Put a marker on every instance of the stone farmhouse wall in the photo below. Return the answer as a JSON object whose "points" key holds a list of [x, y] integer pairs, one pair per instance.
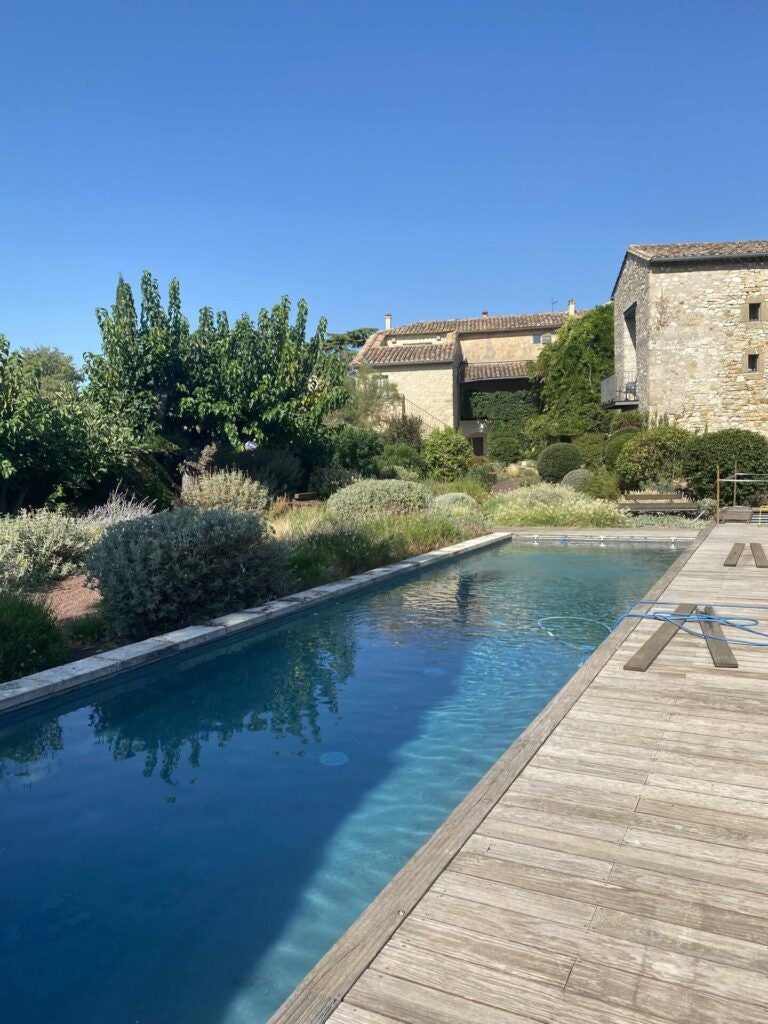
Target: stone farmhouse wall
{"points": [[488, 348], [432, 388], [693, 341]]}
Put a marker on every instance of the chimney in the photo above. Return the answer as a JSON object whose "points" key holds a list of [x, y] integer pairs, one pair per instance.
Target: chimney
{"points": [[387, 321], [571, 307], [484, 313]]}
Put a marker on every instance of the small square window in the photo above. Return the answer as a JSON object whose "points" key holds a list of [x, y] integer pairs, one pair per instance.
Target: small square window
{"points": [[754, 311], [753, 362], [537, 339]]}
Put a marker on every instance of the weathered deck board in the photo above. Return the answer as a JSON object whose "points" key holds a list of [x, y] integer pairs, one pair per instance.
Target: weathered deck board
{"points": [[611, 869]]}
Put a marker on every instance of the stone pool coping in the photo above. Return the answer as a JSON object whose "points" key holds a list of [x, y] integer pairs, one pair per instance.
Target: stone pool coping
{"points": [[31, 689]]}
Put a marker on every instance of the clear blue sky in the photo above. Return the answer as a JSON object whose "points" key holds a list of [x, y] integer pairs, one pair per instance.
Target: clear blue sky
{"points": [[430, 158]]}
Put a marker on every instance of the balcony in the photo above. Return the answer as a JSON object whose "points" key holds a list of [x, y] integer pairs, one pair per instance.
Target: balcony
{"points": [[619, 390]]}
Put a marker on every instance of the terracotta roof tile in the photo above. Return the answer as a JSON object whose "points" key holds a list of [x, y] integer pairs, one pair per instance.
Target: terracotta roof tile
{"points": [[400, 355], [507, 370], [473, 325]]}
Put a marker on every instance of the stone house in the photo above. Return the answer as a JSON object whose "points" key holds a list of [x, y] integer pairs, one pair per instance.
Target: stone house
{"points": [[691, 333], [433, 363]]}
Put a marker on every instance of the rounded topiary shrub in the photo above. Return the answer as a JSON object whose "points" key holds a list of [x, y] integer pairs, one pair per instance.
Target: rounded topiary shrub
{"points": [[615, 445], [454, 500], [380, 497], [651, 456], [577, 479], [743, 450], [447, 454], [30, 640], [229, 489], [505, 441], [557, 460], [181, 567]]}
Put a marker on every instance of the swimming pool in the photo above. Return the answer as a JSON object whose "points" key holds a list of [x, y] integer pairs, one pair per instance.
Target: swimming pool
{"points": [[184, 844]]}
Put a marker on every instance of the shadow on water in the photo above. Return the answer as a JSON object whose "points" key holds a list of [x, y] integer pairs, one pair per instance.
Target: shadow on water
{"points": [[156, 840]]}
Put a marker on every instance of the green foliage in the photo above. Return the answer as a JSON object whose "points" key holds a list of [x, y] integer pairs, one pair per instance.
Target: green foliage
{"points": [[506, 441], [570, 371], [344, 345], [557, 460], [29, 638], [36, 547], [447, 454], [227, 489], [326, 480], [371, 399], [509, 406], [615, 445], [592, 448], [404, 430], [399, 455], [602, 484], [628, 419], [354, 448], [743, 450], [655, 454], [181, 567], [58, 440], [54, 369], [466, 484], [379, 497], [278, 469], [486, 474], [577, 479], [330, 549], [552, 505]]}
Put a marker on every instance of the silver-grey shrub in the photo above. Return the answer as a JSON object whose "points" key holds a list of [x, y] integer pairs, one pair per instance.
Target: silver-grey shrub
{"points": [[181, 567], [380, 497], [454, 500], [225, 488], [36, 547], [577, 479], [118, 507]]}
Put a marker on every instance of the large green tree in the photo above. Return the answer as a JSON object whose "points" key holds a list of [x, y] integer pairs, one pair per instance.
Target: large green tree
{"points": [[570, 371], [55, 368]]}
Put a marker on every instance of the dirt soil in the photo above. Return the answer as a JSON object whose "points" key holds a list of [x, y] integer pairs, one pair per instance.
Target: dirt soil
{"points": [[70, 599]]}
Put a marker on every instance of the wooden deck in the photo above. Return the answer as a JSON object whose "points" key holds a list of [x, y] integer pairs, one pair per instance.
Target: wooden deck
{"points": [[612, 868]]}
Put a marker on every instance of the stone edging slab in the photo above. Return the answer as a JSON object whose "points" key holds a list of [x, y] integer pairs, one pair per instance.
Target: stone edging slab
{"points": [[51, 682]]}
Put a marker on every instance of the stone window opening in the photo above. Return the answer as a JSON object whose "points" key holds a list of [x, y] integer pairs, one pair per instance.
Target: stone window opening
{"points": [[630, 322], [752, 362], [478, 444], [753, 311]]}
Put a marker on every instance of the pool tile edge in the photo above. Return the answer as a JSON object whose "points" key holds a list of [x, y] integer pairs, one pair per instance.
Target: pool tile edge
{"points": [[32, 689]]}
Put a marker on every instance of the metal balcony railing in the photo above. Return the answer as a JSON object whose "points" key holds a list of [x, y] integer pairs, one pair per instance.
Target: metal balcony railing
{"points": [[619, 389]]}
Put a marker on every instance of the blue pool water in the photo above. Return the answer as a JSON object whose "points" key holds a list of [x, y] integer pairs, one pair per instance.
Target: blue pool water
{"points": [[185, 844]]}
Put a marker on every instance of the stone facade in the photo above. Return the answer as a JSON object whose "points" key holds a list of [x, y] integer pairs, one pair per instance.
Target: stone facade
{"points": [[433, 389], [699, 359], [489, 348]]}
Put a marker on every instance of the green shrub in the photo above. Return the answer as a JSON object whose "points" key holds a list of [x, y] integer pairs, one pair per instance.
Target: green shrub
{"points": [[629, 419], [486, 474], [552, 505], [577, 479], [353, 448], [36, 547], [228, 489], [181, 567], [655, 454], [557, 460], [379, 497], [326, 480], [466, 484], [592, 448], [506, 441], [29, 638], [601, 484], [406, 430], [454, 499], [615, 445], [447, 454], [279, 470], [744, 450], [400, 454]]}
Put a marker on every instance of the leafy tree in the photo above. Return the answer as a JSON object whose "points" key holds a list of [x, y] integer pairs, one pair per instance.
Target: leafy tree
{"points": [[447, 454], [372, 399], [570, 371], [557, 460], [344, 345], [54, 368]]}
